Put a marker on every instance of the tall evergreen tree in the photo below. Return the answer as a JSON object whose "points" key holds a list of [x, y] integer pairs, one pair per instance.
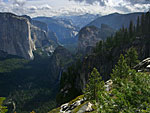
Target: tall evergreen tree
{"points": [[143, 24], [121, 69], [93, 85], [131, 29], [138, 25], [132, 57]]}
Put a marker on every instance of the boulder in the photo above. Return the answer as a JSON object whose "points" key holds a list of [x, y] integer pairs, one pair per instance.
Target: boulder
{"points": [[143, 66], [67, 108], [108, 85], [89, 107]]}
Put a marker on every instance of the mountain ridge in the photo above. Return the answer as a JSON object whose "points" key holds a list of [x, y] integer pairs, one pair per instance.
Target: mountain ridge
{"points": [[116, 20]]}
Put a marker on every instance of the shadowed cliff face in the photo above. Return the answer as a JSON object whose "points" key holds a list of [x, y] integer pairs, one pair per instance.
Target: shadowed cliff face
{"points": [[20, 36]]}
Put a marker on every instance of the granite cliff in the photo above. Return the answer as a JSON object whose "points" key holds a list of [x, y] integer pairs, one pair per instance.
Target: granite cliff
{"points": [[15, 36], [90, 35], [20, 36]]}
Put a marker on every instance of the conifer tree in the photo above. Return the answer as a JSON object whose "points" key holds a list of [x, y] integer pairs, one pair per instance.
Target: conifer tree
{"points": [[93, 85], [132, 57], [121, 69], [142, 24], [138, 25], [131, 29]]}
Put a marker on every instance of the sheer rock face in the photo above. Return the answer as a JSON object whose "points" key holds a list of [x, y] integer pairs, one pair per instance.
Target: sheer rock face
{"points": [[15, 36], [20, 36], [89, 36]]}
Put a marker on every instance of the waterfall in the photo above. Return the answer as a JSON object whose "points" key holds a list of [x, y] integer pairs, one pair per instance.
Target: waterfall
{"points": [[60, 73]]}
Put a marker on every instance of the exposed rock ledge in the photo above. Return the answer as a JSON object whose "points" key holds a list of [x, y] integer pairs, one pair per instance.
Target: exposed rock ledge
{"points": [[143, 66]]}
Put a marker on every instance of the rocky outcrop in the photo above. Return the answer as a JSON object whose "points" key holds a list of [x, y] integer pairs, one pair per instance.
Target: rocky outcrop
{"points": [[143, 66], [20, 35], [89, 36], [67, 108], [78, 105]]}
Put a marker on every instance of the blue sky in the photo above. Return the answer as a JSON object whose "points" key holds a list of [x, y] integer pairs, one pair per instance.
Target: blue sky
{"points": [[72, 7]]}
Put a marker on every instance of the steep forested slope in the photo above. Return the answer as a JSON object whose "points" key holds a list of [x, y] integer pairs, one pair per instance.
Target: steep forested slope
{"points": [[106, 54]]}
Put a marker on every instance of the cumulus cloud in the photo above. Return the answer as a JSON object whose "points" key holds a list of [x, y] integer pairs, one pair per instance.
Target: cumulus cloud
{"points": [[124, 6], [19, 2], [32, 8], [45, 7], [69, 7], [139, 1], [101, 2]]}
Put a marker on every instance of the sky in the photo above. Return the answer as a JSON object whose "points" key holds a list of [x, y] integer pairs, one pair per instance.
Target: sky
{"points": [[49, 8]]}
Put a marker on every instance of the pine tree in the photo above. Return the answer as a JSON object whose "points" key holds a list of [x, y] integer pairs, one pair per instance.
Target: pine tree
{"points": [[121, 69], [93, 85], [138, 25], [131, 29], [132, 57], [143, 24]]}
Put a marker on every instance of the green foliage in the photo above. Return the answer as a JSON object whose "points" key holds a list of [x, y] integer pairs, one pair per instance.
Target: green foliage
{"points": [[71, 93], [107, 53], [9, 65], [125, 36], [27, 84], [94, 85], [129, 93], [3, 109], [67, 79], [131, 29], [132, 57], [121, 69]]}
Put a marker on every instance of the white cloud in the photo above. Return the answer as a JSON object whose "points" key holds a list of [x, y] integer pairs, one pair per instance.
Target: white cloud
{"points": [[68, 7]]}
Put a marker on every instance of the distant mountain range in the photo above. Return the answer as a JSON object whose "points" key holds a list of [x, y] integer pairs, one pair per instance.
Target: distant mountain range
{"points": [[64, 29], [79, 20], [116, 20]]}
